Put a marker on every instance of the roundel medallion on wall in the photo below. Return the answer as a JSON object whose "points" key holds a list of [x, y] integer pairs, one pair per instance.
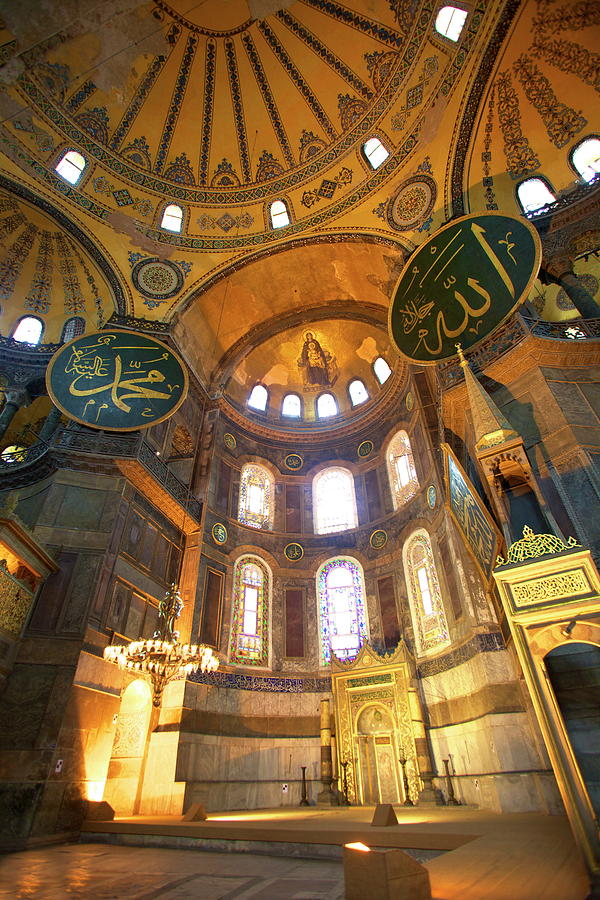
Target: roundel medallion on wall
{"points": [[431, 496], [219, 533], [229, 441], [157, 278], [410, 401], [412, 203], [293, 551], [378, 539], [364, 449], [293, 461]]}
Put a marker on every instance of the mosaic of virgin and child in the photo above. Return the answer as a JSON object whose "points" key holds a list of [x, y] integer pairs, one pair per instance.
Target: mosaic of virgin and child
{"points": [[318, 366]]}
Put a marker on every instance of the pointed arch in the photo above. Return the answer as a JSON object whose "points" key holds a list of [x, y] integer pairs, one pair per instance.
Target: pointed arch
{"points": [[404, 483], [256, 497], [343, 625], [334, 501], [424, 593], [251, 612]]}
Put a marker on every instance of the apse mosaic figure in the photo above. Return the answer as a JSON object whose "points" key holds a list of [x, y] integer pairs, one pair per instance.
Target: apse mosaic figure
{"points": [[465, 281], [117, 380], [318, 366]]}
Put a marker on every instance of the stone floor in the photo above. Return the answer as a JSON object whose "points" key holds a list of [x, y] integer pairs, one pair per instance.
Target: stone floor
{"points": [[100, 872]]}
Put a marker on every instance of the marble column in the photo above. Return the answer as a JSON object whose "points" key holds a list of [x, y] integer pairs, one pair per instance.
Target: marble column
{"points": [[326, 796], [579, 296], [50, 425], [15, 399]]}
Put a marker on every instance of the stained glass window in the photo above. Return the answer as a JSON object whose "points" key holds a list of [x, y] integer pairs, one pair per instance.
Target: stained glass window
{"points": [[334, 502], [381, 369], [291, 406], [29, 330], [71, 166], [342, 617], [72, 328], [401, 469], [375, 152], [172, 218], [280, 216], [358, 392], [586, 158], [534, 194], [425, 597], [250, 621], [450, 22], [256, 491], [258, 398]]}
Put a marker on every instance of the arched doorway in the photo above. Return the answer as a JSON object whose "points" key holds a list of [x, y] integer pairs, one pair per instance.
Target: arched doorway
{"points": [[574, 672], [377, 755], [129, 746]]}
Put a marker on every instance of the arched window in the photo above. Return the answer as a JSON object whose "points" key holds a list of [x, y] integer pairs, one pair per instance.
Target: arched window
{"points": [[172, 218], [342, 615], [14, 453], [381, 369], [585, 158], [258, 398], [326, 406], [534, 194], [72, 328], [358, 392], [401, 469], [291, 406], [375, 152], [70, 166], [249, 642], [29, 330], [279, 214], [450, 22], [334, 503], [425, 597], [256, 497]]}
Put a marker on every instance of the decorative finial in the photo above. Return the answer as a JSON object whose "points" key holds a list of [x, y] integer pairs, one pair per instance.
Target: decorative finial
{"points": [[461, 357]]}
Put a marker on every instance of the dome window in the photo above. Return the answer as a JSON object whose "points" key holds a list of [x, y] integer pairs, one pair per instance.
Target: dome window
{"points": [[14, 453], [72, 328], [70, 166], [534, 194], [585, 158], [279, 214], [291, 406], [29, 330], [358, 392], [381, 369], [172, 219], [258, 398], [450, 22], [326, 406], [375, 152]]}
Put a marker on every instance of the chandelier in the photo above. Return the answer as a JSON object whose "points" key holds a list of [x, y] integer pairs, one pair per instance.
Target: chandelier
{"points": [[162, 657]]}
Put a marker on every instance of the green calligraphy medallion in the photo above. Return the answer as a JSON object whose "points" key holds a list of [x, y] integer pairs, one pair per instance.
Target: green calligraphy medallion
{"points": [[117, 380], [460, 285]]}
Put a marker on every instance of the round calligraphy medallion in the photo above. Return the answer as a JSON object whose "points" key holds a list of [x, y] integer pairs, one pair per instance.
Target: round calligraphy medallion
{"points": [[219, 533], [378, 539], [229, 441], [117, 380], [431, 496], [293, 551], [410, 401], [293, 461], [412, 203], [364, 449], [157, 278], [461, 284]]}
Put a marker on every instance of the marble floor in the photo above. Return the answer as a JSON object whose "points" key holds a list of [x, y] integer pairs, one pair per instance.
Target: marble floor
{"points": [[100, 872]]}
